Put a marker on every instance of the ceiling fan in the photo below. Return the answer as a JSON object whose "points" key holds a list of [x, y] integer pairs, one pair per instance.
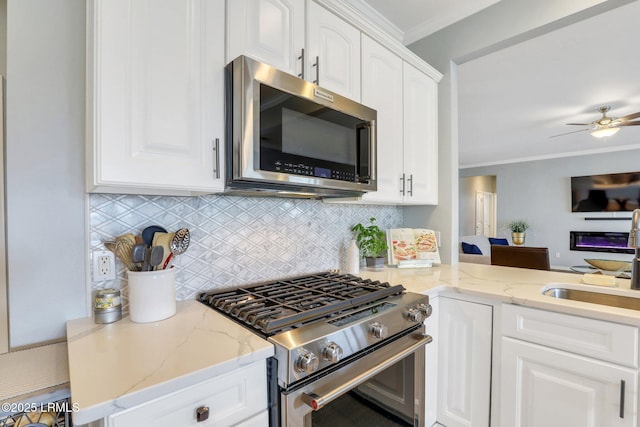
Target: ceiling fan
{"points": [[605, 126]]}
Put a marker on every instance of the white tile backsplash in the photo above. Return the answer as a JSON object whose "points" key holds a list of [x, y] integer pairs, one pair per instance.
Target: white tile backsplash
{"points": [[236, 240]]}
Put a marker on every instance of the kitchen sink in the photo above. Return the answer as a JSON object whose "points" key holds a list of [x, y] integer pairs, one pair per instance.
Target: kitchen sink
{"points": [[613, 299]]}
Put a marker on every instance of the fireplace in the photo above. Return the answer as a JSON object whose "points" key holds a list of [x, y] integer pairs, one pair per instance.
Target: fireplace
{"points": [[600, 241]]}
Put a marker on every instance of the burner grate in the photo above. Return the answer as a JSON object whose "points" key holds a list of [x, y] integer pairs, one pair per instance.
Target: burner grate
{"points": [[284, 304]]}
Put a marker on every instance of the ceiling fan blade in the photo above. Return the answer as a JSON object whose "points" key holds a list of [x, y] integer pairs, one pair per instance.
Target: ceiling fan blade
{"points": [[562, 134], [579, 124], [629, 117], [628, 124]]}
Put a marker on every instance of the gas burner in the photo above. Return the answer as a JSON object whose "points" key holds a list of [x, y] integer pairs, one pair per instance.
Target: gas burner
{"points": [[280, 305], [320, 321]]}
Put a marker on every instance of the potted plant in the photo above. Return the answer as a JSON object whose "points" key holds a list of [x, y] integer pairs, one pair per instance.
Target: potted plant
{"points": [[372, 243], [518, 229]]}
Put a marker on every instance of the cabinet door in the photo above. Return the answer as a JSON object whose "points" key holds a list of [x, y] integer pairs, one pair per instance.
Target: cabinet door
{"points": [[333, 58], [270, 31], [236, 398], [464, 363], [544, 387], [420, 137], [382, 91], [156, 104]]}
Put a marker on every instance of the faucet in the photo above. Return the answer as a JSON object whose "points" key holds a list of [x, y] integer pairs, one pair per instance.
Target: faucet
{"points": [[633, 243]]}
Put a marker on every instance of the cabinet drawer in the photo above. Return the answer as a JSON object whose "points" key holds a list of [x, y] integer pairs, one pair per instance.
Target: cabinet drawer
{"points": [[608, 341], [232, 398]]}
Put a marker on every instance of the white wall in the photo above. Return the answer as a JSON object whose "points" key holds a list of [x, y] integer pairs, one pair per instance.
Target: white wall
{"points": [[539, 192], [45, 167], [496, 27]]}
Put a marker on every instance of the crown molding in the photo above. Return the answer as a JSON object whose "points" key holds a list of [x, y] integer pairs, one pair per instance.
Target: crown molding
{"points": [[551, 156], [442, 20], [350, 13]]}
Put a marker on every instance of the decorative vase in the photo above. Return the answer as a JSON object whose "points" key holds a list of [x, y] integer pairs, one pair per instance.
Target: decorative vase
{"points": [[375, 262], [518, 238]]}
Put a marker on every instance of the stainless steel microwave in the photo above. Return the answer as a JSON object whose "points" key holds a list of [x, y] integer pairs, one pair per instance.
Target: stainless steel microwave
{"points": [[289, 137]]}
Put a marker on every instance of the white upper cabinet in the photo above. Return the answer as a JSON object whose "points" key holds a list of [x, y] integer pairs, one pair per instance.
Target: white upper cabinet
{"points": [[156, 96], [382, 91], [270, 31], [333, 52], [406, 100], [420, 137]]}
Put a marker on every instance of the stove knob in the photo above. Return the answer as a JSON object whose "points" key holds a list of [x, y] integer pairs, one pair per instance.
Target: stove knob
{"points": [[414, 315], [332, 352], [307, 363], [379, 330], [425, 309]]}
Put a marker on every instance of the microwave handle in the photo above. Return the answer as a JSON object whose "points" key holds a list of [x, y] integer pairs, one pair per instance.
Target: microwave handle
{"points": [[363, 176]]}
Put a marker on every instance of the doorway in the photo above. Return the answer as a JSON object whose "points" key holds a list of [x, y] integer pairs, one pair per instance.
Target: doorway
{"points": [[478, 204], [486, 217]]}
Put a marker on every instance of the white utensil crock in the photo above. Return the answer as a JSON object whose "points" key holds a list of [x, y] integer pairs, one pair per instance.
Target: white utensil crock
{"points": [[152, 295]]}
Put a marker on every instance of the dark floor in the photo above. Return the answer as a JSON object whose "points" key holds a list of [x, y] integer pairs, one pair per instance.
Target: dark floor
{"points": [[351, 410]]}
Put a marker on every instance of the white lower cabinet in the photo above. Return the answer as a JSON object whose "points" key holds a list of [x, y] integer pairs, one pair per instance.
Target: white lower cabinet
{"points": [[560, 370], [464, 363], [238, 398], [544, 387]]}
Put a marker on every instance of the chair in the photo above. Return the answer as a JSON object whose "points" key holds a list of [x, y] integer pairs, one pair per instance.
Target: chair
{"points": [[520, 256]]}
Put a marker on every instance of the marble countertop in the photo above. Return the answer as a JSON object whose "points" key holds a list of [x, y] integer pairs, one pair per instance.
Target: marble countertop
{"points": [[117, 366], [511, 285], [120, 365]]}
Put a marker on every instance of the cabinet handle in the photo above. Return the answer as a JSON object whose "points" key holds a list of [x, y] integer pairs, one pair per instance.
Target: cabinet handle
{"points": [[301, 58], [202, 413], [317, 65], [402, 180], [216, 148], [622, 385], [410, 185]]}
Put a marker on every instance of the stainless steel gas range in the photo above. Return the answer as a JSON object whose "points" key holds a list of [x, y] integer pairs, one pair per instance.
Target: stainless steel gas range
{"points": [[336, 337]]}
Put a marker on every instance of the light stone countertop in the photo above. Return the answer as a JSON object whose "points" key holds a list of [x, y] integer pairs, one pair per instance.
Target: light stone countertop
{"points": [[120, 365], [116, 366], [509, 285]]}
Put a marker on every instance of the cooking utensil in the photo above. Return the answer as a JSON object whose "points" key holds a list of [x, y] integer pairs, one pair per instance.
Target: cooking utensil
{"points": [[156, 254], [138, 255], [178, 245], [164, 240], [124, 246], [147, 233]]}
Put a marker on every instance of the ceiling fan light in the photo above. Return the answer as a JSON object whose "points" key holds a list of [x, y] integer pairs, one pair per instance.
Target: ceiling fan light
{"points": [[605, 132]]}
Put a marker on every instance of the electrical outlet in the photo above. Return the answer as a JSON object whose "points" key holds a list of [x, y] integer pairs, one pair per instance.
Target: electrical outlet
{"points": [[104, 266]]}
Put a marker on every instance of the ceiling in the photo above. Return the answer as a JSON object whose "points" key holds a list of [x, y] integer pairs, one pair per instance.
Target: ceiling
{"points": [[511, 101]]}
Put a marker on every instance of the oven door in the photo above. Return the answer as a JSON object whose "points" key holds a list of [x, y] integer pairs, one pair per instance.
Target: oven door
{"points": [[318, 403]]}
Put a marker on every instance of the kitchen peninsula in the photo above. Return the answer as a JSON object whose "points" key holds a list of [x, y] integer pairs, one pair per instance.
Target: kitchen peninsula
{"points": [[123, 387]]}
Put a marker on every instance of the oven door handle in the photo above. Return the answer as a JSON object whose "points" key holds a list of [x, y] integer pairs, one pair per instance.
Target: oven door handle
{"points": [[316, 401]]}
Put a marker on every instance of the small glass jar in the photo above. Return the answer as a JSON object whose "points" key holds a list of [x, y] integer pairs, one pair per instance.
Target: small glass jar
{"points": [[107, 307]]}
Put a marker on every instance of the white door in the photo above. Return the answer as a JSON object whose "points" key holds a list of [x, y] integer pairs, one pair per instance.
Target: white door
{"points": [[333, 52], [544, 387], [464, 363], [270, 31], [382, 91], [156, 103], [486, 213], [420, 137]]}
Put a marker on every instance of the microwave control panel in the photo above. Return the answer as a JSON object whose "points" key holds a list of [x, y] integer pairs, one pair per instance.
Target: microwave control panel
{"points": [[320, 172]]}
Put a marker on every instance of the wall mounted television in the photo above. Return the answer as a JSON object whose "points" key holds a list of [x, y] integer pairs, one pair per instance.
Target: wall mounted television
{"points": [[613, 192]]}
